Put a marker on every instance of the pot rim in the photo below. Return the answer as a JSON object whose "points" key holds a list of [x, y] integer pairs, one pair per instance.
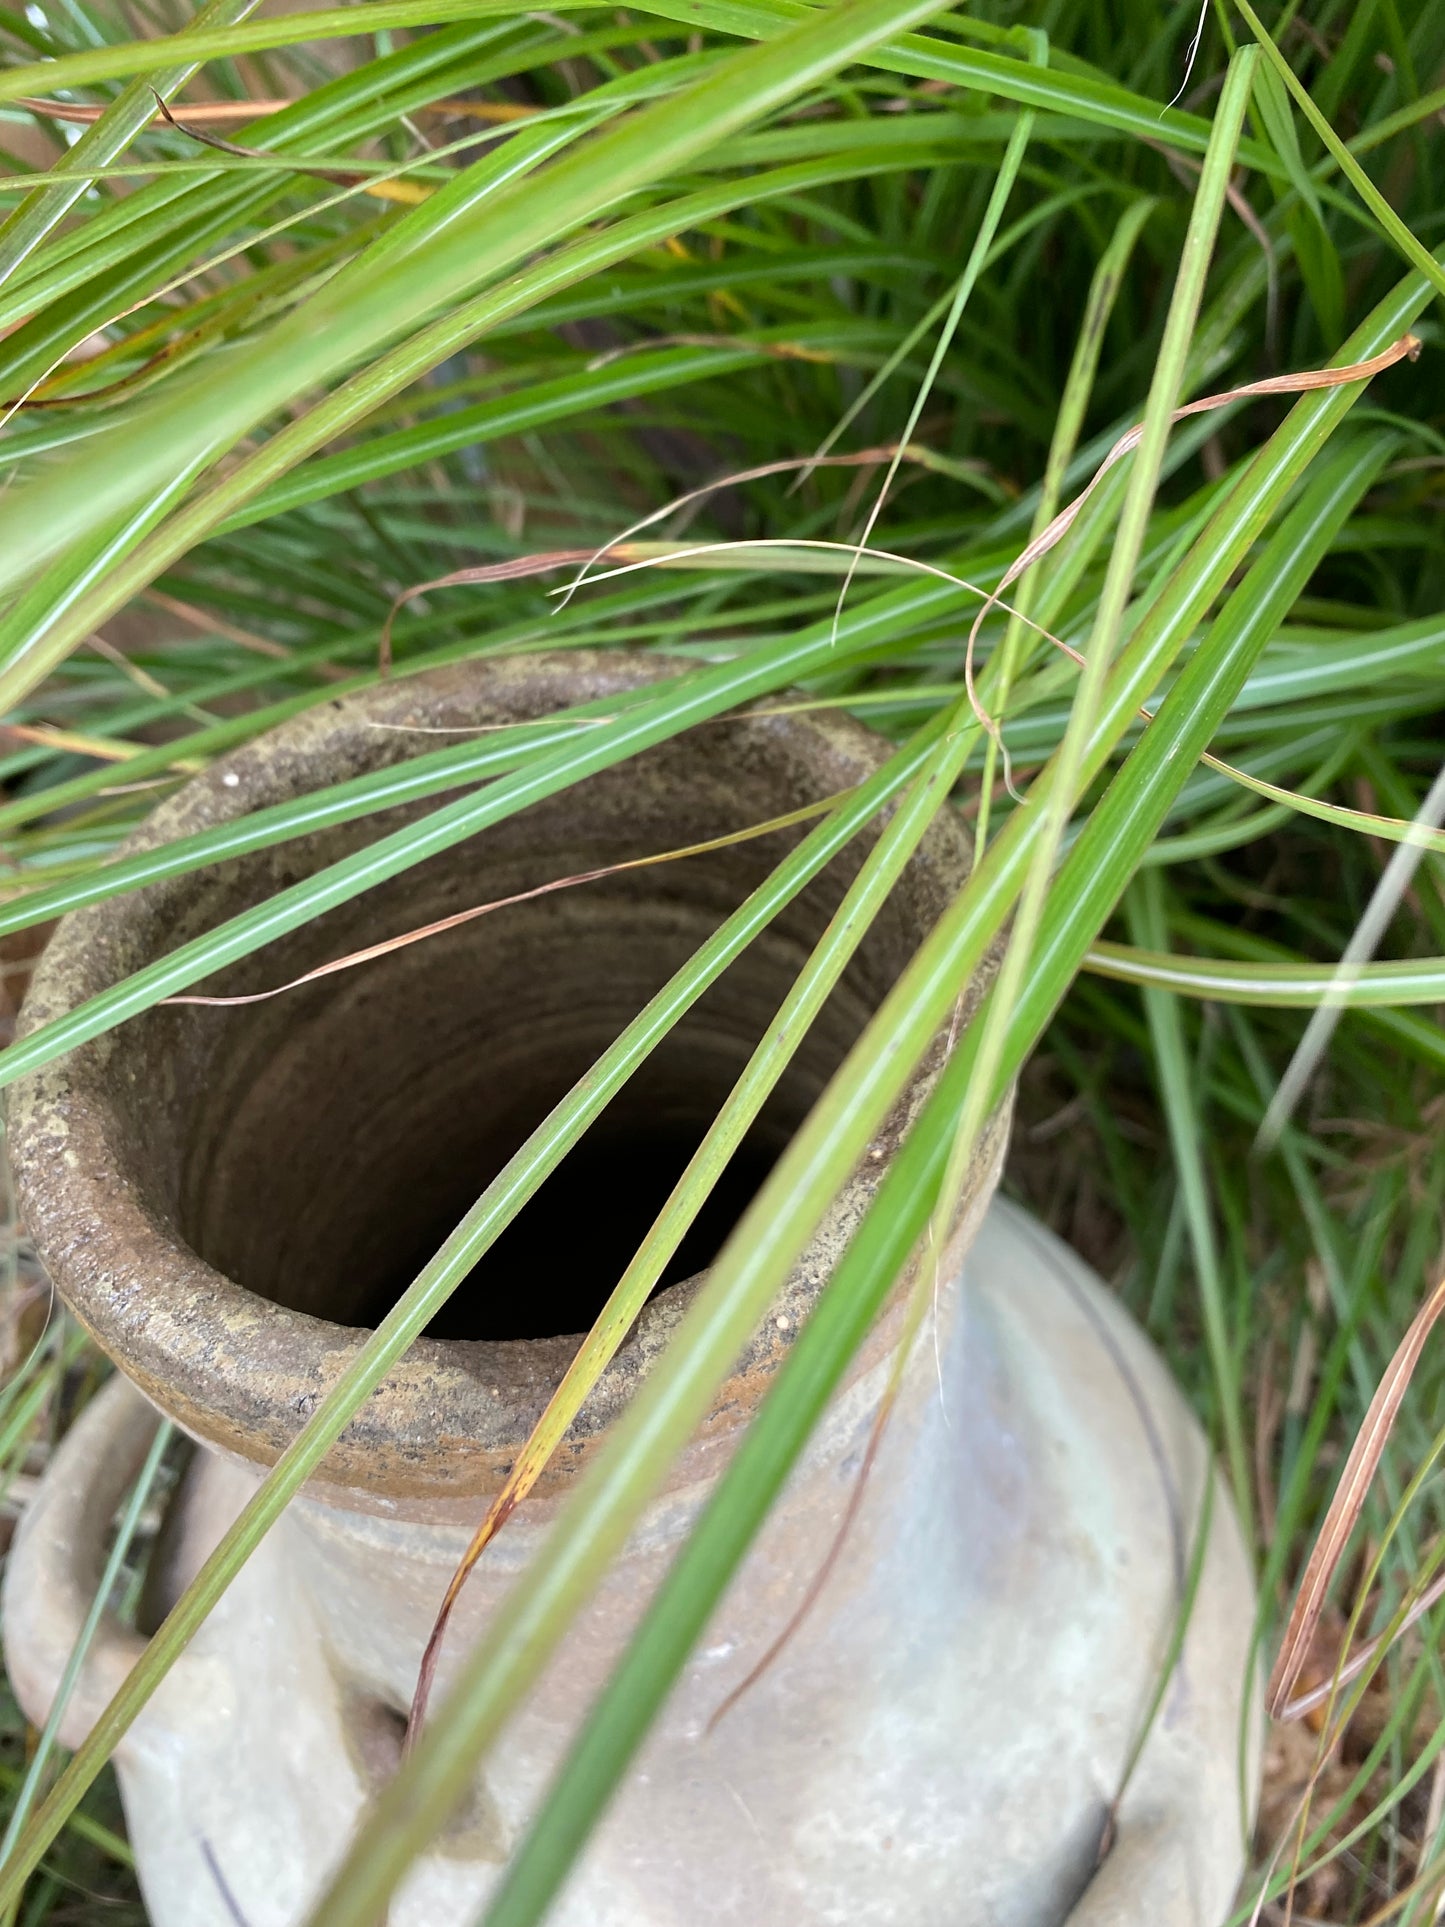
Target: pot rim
{"points": [[242, 1373]]}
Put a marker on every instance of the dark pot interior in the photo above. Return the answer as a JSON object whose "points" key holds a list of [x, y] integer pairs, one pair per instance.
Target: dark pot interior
{"points": [[336, 1135]]}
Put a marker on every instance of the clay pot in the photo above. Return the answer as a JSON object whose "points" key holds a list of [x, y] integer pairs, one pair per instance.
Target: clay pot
{"points": [[228, 1198]]}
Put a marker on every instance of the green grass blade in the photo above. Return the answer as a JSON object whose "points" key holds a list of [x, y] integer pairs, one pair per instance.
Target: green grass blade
{"points": [[43, 210], [219, 43], [494, 1210], [358, 316], [400, 783], [125, 1531], [1100, 102], [1017, 643], [1067, 764], [1301, 986], [862, 902], [1413, 250], [535, 1614], [1178, 1088]]}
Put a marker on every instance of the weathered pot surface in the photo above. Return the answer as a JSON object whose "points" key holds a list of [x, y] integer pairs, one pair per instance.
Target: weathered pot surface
{"points": [[228, 1197]]}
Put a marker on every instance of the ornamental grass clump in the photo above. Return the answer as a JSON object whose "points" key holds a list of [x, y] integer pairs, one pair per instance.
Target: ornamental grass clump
{"points": [[1062, 398]]}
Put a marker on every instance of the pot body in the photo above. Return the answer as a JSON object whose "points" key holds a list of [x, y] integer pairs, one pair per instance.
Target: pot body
{"points": [[945, 1736], [944, 1739]]}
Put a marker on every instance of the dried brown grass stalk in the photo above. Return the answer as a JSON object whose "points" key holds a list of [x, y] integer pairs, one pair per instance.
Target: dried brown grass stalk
{"points": [[209, 113], [1050, 537], [1340, 1522], [623, 549], [423, 931], [517, 570]]}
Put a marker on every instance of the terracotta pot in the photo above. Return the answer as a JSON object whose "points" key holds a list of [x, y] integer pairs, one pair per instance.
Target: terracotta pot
{"points": [[227, 1198]]}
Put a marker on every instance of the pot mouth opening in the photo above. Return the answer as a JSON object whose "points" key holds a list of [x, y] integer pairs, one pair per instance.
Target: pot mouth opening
{"points": [[330, 1158], [230, 1197], [316, 1148], [552, 1269]]}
